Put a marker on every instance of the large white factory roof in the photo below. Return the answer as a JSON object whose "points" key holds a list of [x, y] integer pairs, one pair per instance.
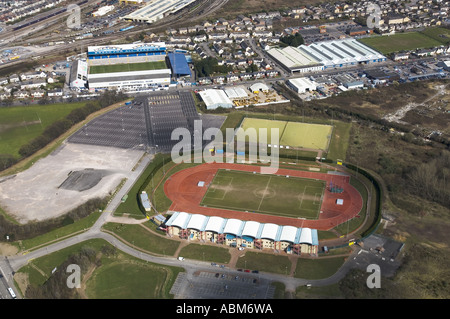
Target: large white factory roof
{"points": [[156, 10], [214, 98], [303, 84], [292, 57], [241, 228], [342, 51], [237, 92]]}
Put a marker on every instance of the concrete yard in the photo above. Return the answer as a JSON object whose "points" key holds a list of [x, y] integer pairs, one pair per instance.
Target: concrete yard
{"points": [[67, 178]]}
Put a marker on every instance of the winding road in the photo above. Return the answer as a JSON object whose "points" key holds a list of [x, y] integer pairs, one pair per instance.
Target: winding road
{"points": [[9, 265]]}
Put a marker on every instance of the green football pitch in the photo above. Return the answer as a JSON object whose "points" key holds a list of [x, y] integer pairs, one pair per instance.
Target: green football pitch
{"points": [[400, 42], [128, 67], [267, 194], [293, 134]]}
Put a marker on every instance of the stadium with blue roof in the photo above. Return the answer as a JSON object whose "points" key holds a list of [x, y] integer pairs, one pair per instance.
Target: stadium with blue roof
{"points": [[178, 64]]}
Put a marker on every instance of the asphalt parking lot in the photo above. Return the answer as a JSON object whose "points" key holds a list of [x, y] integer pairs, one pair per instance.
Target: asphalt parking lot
{"points": [[381, 251], [124, 127], [221, 284]]}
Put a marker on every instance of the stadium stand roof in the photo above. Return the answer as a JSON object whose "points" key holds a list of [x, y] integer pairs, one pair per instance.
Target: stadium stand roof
{"points": [[215, 224], [306, 236], [270, 231], [181, 220], [245, 229], [198, 222], [251, 228], [234, 227], [179, 64], [118, 49]]}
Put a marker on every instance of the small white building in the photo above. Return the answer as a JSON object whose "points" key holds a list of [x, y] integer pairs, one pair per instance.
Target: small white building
{"points": [[301, 85], [214, 98], [258, 87]]}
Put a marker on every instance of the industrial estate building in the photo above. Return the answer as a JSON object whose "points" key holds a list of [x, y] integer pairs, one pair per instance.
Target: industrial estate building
{"points": [[156, 10], [301, 85], [294, 60], [344, 52], [238, 233], [215, 98], [325, 54]]}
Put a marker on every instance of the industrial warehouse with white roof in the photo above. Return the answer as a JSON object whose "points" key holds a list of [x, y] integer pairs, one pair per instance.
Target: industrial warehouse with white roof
{"points": [[156, 10], [215, 98], [325, 54], [237, 233]]}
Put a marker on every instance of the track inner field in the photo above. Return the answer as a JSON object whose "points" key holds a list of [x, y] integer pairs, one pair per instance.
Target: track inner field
{"points": [[267, 194], [183, 190]]}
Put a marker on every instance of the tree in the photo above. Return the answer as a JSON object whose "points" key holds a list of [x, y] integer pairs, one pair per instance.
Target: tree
{"points": [[292, 40]]}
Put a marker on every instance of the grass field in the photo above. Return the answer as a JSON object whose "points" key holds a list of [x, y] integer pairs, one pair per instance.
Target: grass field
{"points": [[400, 42], [116, 276], [439, 34], [21, 124], [267, 194], [294, 134], [157, 65]]}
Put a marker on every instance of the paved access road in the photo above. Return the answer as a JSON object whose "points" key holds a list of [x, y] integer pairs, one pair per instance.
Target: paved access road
{"points": [[9, 265]]}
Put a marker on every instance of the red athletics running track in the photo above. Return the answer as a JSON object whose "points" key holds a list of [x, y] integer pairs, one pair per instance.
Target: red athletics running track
{"points": [[186, 196]]}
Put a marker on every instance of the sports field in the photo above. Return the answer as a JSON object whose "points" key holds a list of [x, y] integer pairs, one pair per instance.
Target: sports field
{"points": [[21, 124], [157, 65], [439, 34], [276, 195], [399, 42], [293, 134]]}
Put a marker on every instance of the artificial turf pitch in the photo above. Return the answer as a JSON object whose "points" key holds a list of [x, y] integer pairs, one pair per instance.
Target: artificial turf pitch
{"points": [[293, 134]]}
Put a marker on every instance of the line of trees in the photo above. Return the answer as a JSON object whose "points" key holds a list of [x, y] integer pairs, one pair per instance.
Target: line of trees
{"points": [[30, 230], [207, 67], [56, 286]]}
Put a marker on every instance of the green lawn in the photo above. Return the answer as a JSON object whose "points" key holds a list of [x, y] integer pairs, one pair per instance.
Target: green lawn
{"points": [[118, 276], [339, 141], [58, 233], [318, 268], [439, 34], [268, 194], [400, 41], [129, 280], [157, 65], [21, 124], [265, 262], [206, 253], [306, 135], [140, 237], [292, 134]]}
